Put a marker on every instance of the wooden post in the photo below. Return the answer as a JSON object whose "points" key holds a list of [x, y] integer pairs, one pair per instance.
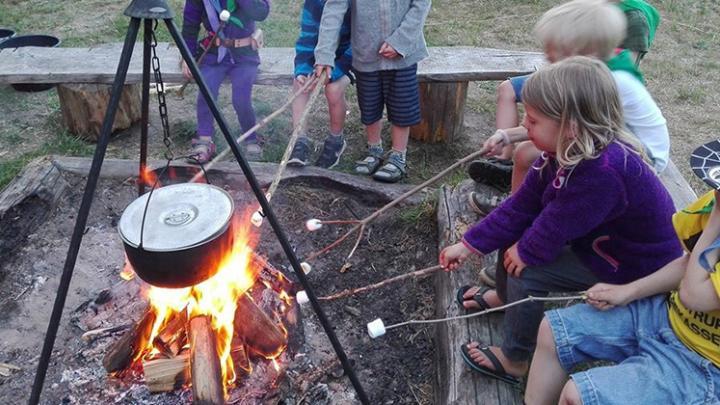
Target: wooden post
{"points": [[83, 108], [207, 382], [261, 334], [443, 108]]}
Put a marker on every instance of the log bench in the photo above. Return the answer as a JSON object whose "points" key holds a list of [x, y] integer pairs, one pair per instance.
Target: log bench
{"points": [[455, 383], [444, 75]]}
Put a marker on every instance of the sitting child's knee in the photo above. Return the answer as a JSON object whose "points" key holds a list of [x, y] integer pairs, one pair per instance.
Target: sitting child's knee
{"points": [[525, 154], [505, 92], [570, 394], [545, 340]]}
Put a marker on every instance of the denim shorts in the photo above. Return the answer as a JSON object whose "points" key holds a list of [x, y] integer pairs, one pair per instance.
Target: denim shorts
{"points": [[651, 365], [517, 83]]}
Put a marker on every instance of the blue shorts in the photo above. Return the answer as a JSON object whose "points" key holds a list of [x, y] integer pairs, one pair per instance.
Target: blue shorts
{"points": [[517, 83], [652, 365], [396, 89]]}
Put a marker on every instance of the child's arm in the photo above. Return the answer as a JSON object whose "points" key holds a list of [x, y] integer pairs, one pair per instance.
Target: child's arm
{"points": [[329, 33], [697, 290], [192, 17], [404, 38], [307, 40], [256, 10], [606, 296], [504, 137]]}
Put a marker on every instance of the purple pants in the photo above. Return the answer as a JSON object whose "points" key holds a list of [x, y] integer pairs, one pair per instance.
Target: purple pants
{"points": [[242, 76]]}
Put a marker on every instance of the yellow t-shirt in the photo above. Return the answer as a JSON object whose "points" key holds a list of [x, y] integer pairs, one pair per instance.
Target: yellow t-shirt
{"points": [[700, 331]]}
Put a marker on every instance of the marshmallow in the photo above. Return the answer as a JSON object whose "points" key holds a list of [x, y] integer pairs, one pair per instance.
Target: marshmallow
{"points": [[302, 297], [313, 225], [306, 267], [376, 328], [257, 218], [224, 16]]}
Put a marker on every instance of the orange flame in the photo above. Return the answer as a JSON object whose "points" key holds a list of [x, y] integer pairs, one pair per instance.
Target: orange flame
{"points": [[216, 297], [148, 177]]}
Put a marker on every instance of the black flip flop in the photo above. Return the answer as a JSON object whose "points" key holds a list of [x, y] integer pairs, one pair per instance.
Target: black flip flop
{"points": [[498, 373], [478, 297]]}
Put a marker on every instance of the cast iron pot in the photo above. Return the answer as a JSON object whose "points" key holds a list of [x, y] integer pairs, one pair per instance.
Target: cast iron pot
{"points": [[187, 231], [20, 41]]}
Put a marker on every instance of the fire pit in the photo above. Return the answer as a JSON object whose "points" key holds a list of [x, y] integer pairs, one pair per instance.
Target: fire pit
{"points": [[102, 308]]}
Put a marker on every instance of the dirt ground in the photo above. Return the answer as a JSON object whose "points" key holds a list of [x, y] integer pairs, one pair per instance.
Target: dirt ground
{"points": [[395, 369]]}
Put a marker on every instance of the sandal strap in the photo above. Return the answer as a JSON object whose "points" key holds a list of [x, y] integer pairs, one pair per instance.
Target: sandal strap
{"points": [[485, 349]]}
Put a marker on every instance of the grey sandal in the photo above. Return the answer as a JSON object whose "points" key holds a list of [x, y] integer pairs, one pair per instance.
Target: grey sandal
{"points": [[368, 165], [392, 171]]}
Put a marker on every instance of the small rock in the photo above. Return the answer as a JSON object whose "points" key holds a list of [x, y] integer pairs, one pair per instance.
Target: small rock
{"points": [[352, 310]]}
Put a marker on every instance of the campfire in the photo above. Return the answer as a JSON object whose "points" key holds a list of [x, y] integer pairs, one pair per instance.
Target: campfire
{"points": [[208, 335]]}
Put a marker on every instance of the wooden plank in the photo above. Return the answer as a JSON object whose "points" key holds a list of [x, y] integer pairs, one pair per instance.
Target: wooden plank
{"points": [[455, 383], [99, 64], [680, 190]]}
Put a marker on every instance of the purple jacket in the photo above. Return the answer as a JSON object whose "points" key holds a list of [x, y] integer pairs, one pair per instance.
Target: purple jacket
{"points": [[247, 11], [613, 211]]}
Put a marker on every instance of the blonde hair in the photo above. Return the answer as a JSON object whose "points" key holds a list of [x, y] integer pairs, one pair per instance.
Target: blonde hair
{"points": [[583, 27], [580, 94]]}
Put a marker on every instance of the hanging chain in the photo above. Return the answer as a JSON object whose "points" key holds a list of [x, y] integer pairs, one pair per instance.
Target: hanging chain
{"points": [[160, 87]]}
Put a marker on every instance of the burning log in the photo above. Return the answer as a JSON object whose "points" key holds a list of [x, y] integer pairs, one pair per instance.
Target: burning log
{"points": [[239, 356], [207, 381], [173, 336], [260, 333], [163, 375], [129, 347]]}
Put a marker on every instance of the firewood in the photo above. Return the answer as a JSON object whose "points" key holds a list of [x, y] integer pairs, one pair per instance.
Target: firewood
{"points": [[163, 375], [129, 347], [173, 336], [207, 381], [239, 356], [261, 334]]}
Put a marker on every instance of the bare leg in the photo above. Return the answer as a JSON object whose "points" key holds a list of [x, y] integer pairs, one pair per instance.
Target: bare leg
{"points": [[525, 155], [337, 105], [547, 377], [570, 394], [400, 137], [506, 114], [298, 105], [373, 132]]}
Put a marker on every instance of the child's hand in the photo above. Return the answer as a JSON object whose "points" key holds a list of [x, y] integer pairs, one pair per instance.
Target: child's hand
{"points": [[452, 256], [495, 144], [607, 296], [186, 71], [512, 261], [387, 51], [319, 69], [302, 79]]}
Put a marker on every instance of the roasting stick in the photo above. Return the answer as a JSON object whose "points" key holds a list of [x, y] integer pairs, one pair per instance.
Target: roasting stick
{"points": [[419, 274], [257, 126], [258, 216], [315, 224], [377, 328]]}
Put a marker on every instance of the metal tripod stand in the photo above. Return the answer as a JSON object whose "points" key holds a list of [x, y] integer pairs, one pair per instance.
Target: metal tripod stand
{"points": [[147, 12]]}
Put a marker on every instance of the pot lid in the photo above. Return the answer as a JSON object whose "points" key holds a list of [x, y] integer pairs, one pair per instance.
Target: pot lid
{"points": [[179, 216]]}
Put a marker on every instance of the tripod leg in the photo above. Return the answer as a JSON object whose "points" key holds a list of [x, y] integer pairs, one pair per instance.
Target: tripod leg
{"points": [[145, 104], [267, 210], [84, 210]]}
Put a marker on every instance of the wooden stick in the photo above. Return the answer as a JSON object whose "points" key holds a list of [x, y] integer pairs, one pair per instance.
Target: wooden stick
{"points": [[419, 274], [261, 333], [257, 126], [208, 386], [131, 345], [363, 222], [293, 139], [96, 333], [163, 375]]}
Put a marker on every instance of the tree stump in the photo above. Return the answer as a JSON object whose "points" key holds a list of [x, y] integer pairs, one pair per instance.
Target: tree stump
{"points": [[443, 110], [83, 108]]}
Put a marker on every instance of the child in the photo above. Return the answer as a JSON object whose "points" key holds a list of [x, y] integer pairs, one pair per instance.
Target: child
{"points": [[591, 209], [666, 349], [580, 27], [387, 43], [233, 54], [334, 91]]}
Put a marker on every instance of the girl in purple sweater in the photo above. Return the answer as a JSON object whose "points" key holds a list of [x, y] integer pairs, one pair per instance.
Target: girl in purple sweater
{"points": [[591, 210]]}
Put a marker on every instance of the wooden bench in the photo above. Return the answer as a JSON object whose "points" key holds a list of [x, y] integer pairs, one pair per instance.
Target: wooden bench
{"points": [[444, 76], [455, 383]]}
